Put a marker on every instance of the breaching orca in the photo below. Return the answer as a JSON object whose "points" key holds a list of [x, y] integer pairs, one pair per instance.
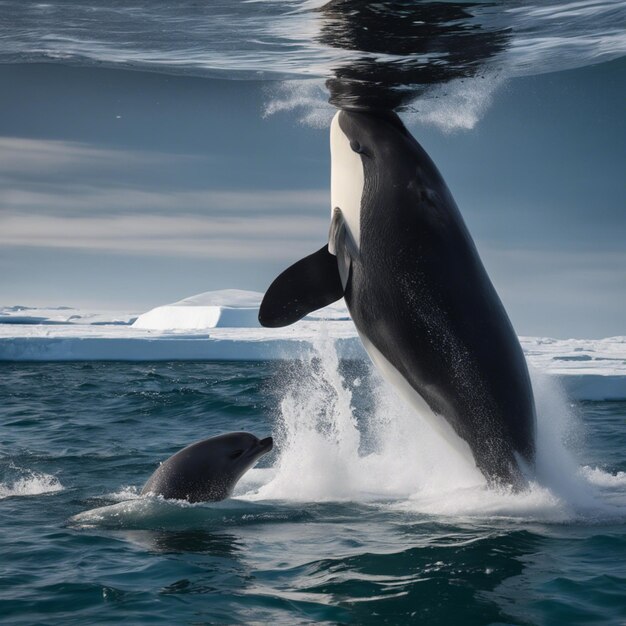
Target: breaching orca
{"points": [[428, 315], [207, 471]]}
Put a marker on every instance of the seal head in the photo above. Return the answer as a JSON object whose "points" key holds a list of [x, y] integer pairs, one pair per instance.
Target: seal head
{"points": [[208, 470]]}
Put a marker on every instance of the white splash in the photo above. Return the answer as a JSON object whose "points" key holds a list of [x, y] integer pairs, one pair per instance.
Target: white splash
{"points": [[151, 512], [597, 476], [124, 494], [308, 97], [29, 483], [392, 456], [322, 446], [457, 105]]}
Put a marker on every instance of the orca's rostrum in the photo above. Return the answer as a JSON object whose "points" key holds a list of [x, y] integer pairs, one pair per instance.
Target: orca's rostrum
{"points": [[426, 311]]}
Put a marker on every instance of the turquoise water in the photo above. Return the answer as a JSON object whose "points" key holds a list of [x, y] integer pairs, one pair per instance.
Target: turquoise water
{"points": [[409, 537]]}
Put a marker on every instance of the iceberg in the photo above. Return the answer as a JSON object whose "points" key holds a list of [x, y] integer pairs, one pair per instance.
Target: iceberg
{"points": [[590, 369], [223, 326], [227, 308], [27, 315]]}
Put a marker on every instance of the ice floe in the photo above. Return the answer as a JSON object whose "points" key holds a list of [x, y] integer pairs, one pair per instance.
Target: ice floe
{"points": [[227, 308], [222, 325]]}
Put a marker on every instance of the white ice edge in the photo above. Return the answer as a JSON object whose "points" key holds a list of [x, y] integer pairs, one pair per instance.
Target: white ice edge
{"points": [[223, 325]]}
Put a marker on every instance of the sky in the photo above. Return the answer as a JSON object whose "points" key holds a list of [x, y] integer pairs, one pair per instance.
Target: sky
{"points": [[126, 190]]}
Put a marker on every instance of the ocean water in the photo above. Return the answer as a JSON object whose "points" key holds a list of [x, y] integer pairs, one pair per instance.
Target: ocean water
{"points": [[116, 115], [429, 58], [359, 515]]}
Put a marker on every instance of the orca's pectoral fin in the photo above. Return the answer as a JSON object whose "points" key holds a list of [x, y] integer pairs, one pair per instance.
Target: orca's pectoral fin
{"points": [[308, 285]]}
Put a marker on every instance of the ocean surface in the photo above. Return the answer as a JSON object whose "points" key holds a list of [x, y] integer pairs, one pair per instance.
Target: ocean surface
{"points": [[406, 55], [359, 515], [151, 150]]}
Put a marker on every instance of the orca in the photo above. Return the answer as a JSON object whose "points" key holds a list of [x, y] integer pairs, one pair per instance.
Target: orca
{"points": [[425, 309], [208, 470]]}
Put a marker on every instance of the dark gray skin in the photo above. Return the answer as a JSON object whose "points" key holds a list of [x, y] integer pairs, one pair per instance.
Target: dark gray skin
{"points": [[418, 291], [422, 296], [207, 471]]}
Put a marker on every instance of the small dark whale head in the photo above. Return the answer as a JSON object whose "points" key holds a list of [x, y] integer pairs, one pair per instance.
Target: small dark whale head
{"points": [[208, 470]]}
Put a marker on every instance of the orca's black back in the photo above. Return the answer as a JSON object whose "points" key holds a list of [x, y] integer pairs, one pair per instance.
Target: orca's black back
{"points": [[421, 295]]}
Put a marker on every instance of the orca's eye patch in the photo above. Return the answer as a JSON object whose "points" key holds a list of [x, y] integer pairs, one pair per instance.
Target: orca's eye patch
{"points": [[236, 454], [356, 146]]}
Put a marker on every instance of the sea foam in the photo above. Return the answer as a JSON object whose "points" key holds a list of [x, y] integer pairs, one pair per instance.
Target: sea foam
{"points": [[344, 435], [390, 456], [25, 482]]}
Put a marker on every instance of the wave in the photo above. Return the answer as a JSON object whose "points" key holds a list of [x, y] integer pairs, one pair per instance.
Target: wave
{"points": [[440, 62], [24, 482], [135, 512], [330, 452], [345, 439], [285, 38]]}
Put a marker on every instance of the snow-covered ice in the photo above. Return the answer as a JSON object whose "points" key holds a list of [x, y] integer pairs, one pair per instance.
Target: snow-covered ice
{"points": [[593, 369], [228, 308], [216, 325], [18, 314], [222, 325]]}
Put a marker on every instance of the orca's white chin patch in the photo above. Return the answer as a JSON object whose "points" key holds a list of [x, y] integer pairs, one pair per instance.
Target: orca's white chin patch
{"points": [[346, 179]]}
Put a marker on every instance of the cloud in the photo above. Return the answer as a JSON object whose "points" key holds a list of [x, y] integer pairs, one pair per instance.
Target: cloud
{"points": [[20, 155], [95, 199], [53, 195], [48, 176], [265, 237]]}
